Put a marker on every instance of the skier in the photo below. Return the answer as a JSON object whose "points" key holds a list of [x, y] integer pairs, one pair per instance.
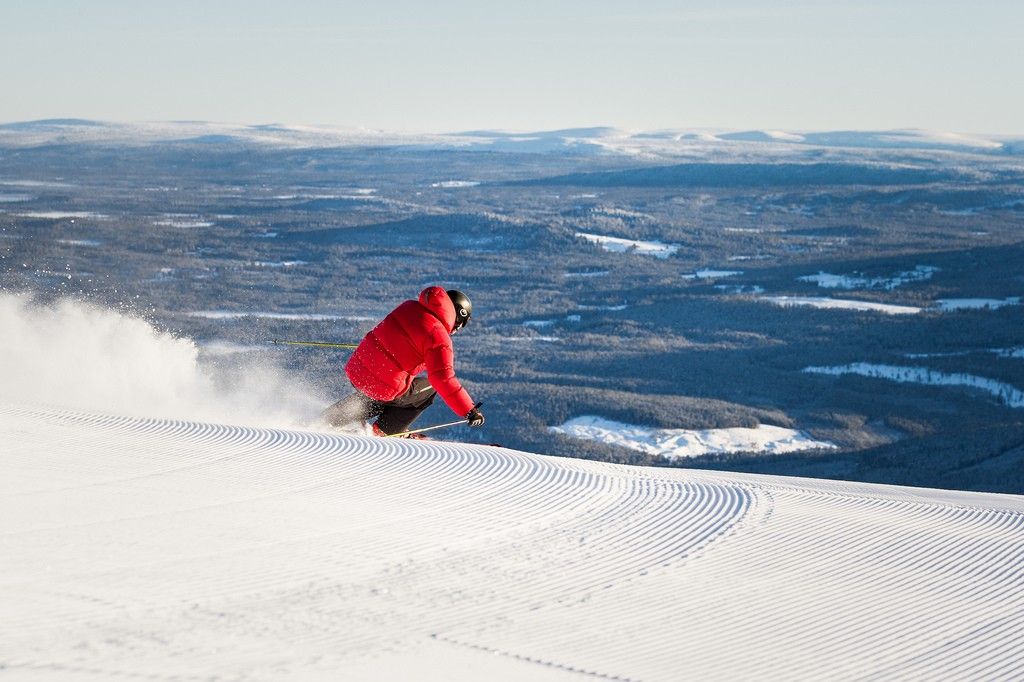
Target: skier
{"points": [[414, 337]]}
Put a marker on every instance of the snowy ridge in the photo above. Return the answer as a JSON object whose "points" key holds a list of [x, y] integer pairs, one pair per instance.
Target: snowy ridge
{"points": [[657, 144], [178, 549]]}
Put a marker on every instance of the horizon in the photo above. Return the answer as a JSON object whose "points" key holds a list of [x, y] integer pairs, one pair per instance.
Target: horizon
{"points": [[71, 120], [460, 66]]}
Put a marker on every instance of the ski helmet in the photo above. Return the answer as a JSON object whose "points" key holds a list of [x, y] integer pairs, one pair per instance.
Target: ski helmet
{"points": [[463, 308]]}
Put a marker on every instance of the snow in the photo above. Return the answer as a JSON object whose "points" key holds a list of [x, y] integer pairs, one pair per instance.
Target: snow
{"points": [[41, 184], [357, 194], [164, 275], [183, 221], [95, 358], [80, 242], [713, 274], [159, 522], [1016, 352], [1010, 396], [763, 136], [857, 281], [454, 184], [57, 215], [943, 304], [740, 288], [184, 224], [945, 138], [174, 549], [279, 263], [621, 213], [954, 304], [610, 308], [951, 354], [225, 348], [781, 135], [683, 443], [841, 304], [542, 324], [659, 145], [903, 139], [619, 245], [204, 132]]}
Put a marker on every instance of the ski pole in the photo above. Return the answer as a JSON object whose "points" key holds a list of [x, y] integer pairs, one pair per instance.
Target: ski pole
{"points": [[403, 434], [320, 344], [432, 428]]}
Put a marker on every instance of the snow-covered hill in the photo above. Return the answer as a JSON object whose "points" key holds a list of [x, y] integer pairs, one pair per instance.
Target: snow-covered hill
{"points": [[659, 144], [173, 549]]}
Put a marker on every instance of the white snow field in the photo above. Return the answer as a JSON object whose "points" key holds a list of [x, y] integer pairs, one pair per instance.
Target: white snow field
{"points": [[619, 245], [843, 304], [56, 215], [682, 443], [172, 520], [172, 549], [454, 184]]}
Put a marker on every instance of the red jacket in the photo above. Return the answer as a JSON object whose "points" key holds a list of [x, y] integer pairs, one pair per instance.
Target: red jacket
{"points": [[414, 336]]}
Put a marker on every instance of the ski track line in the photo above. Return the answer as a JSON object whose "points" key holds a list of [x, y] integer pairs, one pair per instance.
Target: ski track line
{"points": [[490, 450], [170, 549], [798, 622]]}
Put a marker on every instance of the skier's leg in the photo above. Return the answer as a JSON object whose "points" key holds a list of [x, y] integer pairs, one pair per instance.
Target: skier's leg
{"points": [[399, 414], [353, 409]]}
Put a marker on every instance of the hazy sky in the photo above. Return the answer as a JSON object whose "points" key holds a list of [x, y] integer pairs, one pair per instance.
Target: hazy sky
{"points": [[520, 64]]}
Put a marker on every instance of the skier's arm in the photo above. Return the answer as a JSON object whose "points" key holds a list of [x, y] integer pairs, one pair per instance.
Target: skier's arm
{"points": [[440, 361]]}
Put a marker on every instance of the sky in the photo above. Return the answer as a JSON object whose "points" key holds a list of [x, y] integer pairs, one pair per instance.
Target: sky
{"points": [[454, 65]]}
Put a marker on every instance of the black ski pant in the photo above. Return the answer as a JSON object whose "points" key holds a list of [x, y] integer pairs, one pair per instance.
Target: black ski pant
{"points": [[393, 416]]}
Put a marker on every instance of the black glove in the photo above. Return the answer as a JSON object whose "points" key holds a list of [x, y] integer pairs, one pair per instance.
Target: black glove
{"points": [[475, 417]]}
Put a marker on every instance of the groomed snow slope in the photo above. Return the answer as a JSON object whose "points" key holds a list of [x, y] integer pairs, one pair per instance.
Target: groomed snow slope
{"points": [[164, 549]]}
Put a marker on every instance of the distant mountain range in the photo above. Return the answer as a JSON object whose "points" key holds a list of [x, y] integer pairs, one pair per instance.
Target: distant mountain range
{"points": [[595, 140]]}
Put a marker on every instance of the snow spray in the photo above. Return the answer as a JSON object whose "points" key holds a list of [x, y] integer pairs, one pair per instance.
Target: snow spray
{"points": [[78, 355]]}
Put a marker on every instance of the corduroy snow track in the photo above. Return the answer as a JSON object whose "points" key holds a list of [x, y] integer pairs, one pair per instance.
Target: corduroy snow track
{"points": [[166, 549]]}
